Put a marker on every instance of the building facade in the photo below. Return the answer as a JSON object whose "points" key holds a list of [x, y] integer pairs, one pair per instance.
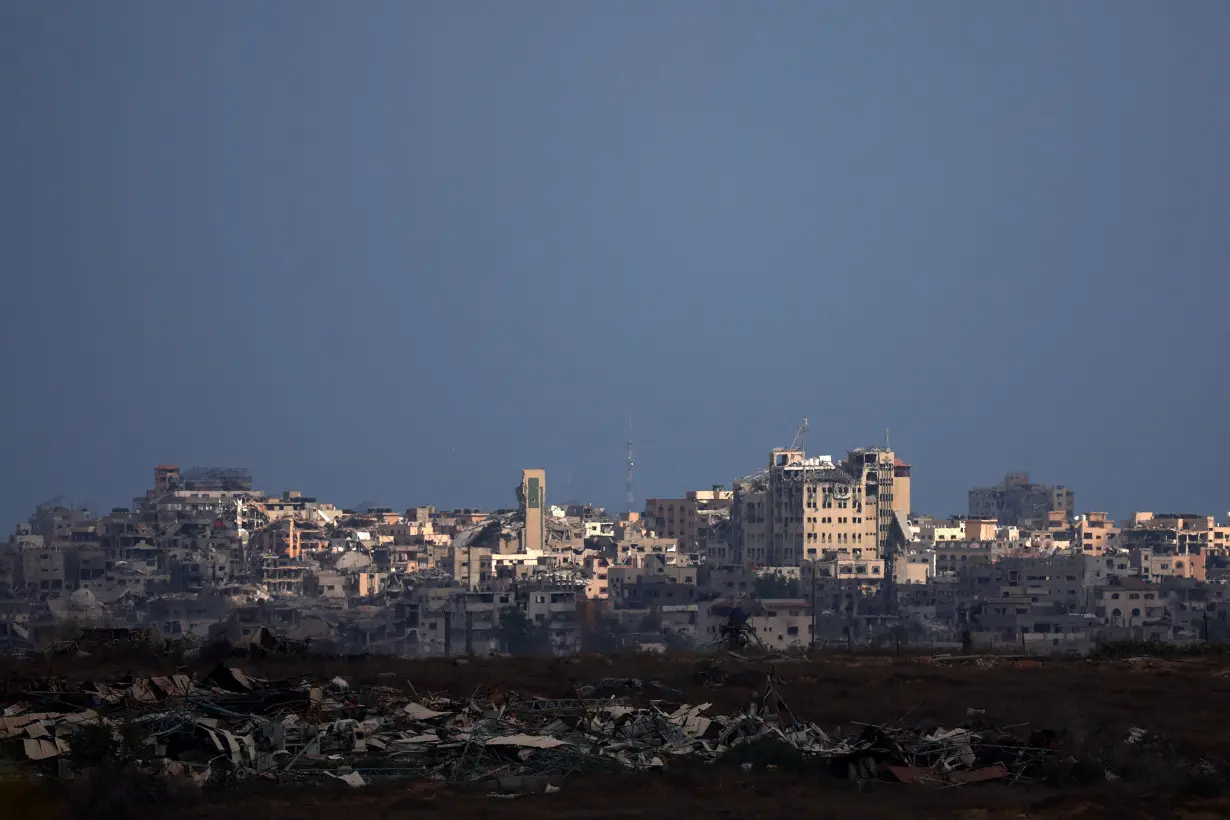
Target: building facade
{"points": [[1021, 503], [805, 509]]}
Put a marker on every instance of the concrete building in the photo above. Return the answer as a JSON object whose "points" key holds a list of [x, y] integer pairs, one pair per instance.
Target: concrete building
{"points": [[533, 497], [879, 468], [554, 610], [1095, 533], [472, 567], [802, 508], [1018, 502], [779, 623], [1177, 533], [1130, 602], [1150, 566], [688, 519], [981, 529], [914, 568], [931, 530]]}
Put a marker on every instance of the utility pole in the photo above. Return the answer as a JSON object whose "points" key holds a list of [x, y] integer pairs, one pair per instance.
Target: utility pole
{"points": [[814, 606]]}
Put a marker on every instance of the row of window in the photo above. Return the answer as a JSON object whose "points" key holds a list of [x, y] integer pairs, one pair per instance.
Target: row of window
{"points": [[842, 538]]}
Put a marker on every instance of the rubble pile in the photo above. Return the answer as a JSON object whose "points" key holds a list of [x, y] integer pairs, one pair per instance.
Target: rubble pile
{"points": [[227, 726]]}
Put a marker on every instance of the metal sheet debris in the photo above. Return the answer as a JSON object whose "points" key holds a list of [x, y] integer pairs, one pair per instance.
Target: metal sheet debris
{"points": [[227, 726]]}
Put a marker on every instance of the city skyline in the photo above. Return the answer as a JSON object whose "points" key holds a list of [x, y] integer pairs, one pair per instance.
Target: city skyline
{"points": [[452, 398], [568, 486], [403, 254], [562, 494]]}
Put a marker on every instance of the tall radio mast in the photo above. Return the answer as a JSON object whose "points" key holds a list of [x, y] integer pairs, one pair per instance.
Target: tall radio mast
{"points": [[628, 499]]}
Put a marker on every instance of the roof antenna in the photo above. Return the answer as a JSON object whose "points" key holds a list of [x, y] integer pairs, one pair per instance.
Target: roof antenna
{"points": [[886, 445], [800, 438]]}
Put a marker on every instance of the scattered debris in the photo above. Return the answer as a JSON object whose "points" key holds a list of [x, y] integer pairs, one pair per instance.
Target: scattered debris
{"points": [[226, 726]]}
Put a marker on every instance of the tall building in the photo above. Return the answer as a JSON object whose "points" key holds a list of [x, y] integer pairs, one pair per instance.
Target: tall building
{"points": [[802, 508], [166, 479], [1017, 502], [533, 497], [687, 519], [892, 486]]}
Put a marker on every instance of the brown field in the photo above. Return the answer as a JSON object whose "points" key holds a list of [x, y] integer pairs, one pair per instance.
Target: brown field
{"points": [[1092, 705]]}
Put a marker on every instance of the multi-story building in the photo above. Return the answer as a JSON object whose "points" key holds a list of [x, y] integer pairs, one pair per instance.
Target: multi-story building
{"points": [[533, 497], [981, 530], [1018, 502], [802, 508], [1152, 567], [892, 485], [931, 530], [688, 519], [1176, 533], [778, 623], [1095, 533]]}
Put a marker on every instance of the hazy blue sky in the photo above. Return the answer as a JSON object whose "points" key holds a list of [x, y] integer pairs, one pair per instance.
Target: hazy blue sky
{"points": [[396, 251]]}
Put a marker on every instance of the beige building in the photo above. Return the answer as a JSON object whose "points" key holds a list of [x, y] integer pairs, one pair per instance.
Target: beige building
{"points": [[902, 483], [981, 529], [1130, 602], [1169, 532], [1219, 540], [862, 572], [686, 518], [1095, 533], [533, 497], [778, 623], [915, 568], [932, 531], [802, 508], [1150, 566]]}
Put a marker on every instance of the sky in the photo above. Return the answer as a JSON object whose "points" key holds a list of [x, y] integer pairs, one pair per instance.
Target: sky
{"points": [[395, 251]]}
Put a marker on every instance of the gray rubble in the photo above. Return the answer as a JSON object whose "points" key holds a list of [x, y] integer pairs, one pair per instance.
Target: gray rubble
{"points": [[227, 726]]}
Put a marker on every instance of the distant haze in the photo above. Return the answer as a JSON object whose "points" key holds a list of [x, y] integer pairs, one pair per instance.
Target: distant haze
{"points": [[397, 251]]}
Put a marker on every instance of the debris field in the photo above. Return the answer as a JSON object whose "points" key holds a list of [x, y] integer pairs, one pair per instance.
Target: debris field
{"points": [[465, 726]]}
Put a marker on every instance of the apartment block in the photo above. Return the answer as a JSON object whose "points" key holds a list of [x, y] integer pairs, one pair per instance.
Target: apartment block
{"points": [[1019, 502], [688, 519], [1095, 533], [802, 508]]}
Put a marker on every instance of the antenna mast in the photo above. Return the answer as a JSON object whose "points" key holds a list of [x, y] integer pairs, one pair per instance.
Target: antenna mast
{"points": [[628, 499], [800, 438]]}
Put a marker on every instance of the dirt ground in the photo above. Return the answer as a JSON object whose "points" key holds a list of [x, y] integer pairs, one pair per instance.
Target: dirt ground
{"points": [[1092, 705]]}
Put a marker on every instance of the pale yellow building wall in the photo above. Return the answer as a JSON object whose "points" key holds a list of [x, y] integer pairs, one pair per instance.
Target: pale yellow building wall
{"points": [[534, 504]]}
